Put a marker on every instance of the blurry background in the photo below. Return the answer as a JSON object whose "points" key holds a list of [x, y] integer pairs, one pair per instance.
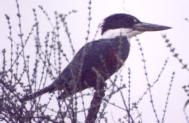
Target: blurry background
{"points": [[171, 13]]}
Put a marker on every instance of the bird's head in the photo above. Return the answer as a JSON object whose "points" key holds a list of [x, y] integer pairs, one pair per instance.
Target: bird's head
{"points": [[126, 25]]}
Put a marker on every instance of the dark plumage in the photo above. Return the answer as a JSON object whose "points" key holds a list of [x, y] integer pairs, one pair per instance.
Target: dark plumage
{"points": [[103, 57], [116, 21], [98, 60]]}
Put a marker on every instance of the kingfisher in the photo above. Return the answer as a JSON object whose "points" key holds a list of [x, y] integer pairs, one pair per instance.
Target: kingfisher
{"points": [[98, 60]]}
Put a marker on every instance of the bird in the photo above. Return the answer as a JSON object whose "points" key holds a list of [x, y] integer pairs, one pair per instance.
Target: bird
{"points": [[98, 60]]}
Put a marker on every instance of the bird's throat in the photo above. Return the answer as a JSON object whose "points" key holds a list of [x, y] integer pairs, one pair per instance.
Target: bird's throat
{"points": [[112, 33]]}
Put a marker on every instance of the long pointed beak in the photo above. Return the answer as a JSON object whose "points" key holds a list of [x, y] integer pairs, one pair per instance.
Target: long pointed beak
{"points": [[149, 27]]}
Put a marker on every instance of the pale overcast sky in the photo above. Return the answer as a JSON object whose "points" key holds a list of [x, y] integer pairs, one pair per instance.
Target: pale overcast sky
{"points": [[166, 12]]}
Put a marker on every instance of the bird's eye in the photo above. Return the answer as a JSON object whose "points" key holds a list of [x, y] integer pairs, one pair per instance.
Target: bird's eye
{"points": [[135, 20]]}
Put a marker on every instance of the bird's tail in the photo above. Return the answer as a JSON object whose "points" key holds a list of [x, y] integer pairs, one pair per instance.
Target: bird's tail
{"points": [[49, 88]]}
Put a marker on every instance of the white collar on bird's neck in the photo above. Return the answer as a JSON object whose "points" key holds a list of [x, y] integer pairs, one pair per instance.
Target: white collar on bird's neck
{"points": [[112, 33]]}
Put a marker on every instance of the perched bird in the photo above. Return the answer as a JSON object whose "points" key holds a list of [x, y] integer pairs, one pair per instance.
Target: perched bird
{"points": [[98, 60]]}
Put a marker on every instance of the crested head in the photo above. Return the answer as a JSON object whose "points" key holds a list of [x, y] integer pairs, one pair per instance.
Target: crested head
{"points": [[122, 24], [117, 21]]}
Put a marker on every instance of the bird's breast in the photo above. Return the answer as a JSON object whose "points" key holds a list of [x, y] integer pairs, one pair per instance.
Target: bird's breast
{"points": [[116, 56], [107, 58]]}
